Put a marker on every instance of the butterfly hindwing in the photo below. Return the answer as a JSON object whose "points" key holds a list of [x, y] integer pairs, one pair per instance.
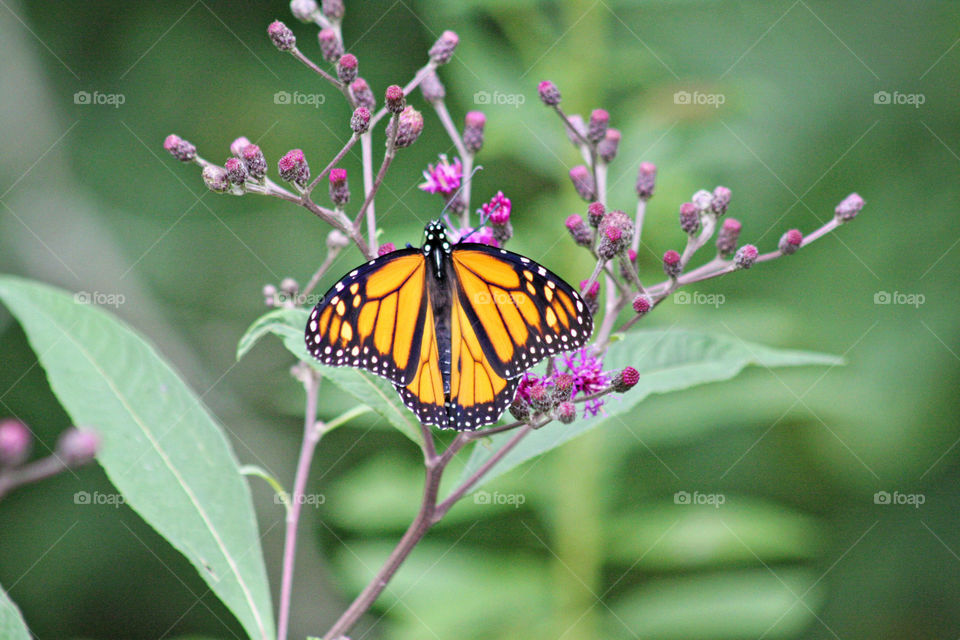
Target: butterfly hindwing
{"points": [[522, 312], [424, 395], [375, 318]]}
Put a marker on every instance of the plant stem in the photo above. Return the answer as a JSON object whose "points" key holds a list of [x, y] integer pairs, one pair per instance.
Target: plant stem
{"points": [[429, 514], [366, 152], [368, 203], [337, 158], [41, 469], [311, 436], [466, 158]]}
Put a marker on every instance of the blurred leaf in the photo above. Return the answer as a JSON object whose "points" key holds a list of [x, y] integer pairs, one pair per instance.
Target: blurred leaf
{"points": [[669, 360], [12, 625], [764, 603], [681, 536], [436, 570], [161, 448], [373, 391]]}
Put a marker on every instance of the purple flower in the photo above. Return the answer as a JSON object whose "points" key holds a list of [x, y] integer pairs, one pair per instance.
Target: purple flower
{"points": [[588, 378], [443, 177], [497, 211], [482, 235]]}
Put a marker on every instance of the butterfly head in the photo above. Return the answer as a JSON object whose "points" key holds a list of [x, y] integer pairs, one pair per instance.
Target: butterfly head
{"points": [[436, 245]]}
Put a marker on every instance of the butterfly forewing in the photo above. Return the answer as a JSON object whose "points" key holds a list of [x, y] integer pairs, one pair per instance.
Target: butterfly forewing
{"points": [[522, 312], [374, 318]]}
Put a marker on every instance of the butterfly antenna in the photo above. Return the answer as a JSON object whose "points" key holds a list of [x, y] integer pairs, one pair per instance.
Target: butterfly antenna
{"points": [[445, 216]]}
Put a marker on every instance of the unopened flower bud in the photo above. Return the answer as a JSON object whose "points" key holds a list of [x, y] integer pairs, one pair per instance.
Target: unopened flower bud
{"points": [[728, 236], [616, 229], [566, 412], [179, 148], [745, 256], [549, 93], [330, 46], [689, 218], [238, 145], [597, 128], [849, 207], [337, 240], [409, 127], [562, 387], [387, 247], [473, 131], [77, 446], [595, 213], [539, 397], [671, 263], [720, 201], [642, 304], [269, 295], [520, 410], [360, 120], [395, 99], [579, 230], [646, 180], [630, 264], [339, 191], [281, 36], [442, 49], [347, 68], [591, 295], [216, 178], [256, 163], [626, 379], [575, 129], [333, 10], [303, 10], [607, 148], [14, 443], [236, 170], [362, 94], [702, 200], [289, 287], [583, 182], [432, 88], [293, 167], [790, 242]]}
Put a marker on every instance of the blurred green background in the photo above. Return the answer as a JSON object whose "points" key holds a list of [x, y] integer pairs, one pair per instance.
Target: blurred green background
{"points": [[599, 548]]}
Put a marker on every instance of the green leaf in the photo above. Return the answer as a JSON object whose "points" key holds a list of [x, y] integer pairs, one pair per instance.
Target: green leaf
{"points": [[12, 626], [668, 360], [373, 391], [161, 447], [769, 603]]}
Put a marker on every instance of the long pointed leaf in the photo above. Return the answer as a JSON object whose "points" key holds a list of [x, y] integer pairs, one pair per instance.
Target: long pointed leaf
{"points": [[161, 447], [12, 626]]}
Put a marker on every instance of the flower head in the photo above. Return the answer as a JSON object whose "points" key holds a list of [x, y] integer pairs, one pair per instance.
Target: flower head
{"points": [[481, 235], [409, 128], [444, 178], [588, 378], [549, 93], [385, 248], [281, 36], [728, 236], [497, 211], [347, 68], [179, 148], [790, 241], [363, 94], [646, 180], [330, 46], [849, 207], [14, 442], [442, 49]]}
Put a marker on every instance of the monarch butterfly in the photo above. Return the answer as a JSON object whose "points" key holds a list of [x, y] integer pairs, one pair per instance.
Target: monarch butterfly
{"points": [[452, 326]]}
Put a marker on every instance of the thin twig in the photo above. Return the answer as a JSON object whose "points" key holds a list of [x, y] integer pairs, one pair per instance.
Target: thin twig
{"points": [[337, 158], [422, 73], [311, 436], [387, 159], [42, 469]]}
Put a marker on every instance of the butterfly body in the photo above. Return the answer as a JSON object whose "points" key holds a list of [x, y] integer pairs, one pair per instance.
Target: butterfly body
{"points": [[452, 326]]}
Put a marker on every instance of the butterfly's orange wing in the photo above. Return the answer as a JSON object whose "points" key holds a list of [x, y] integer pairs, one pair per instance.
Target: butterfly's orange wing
{"points": [[508, 314], [375, 318]]}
